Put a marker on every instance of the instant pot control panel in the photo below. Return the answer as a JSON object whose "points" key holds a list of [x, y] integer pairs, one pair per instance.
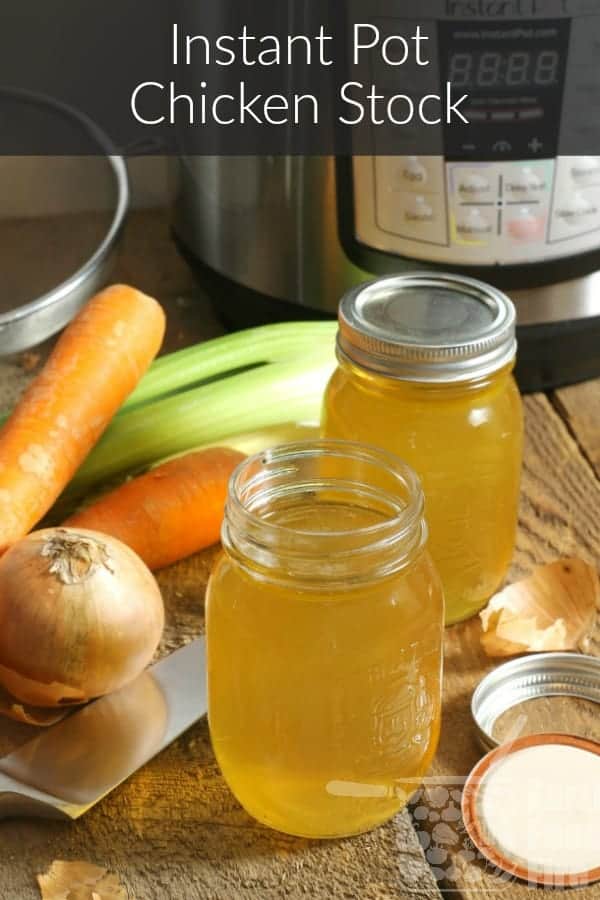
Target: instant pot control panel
{"points": [[496, 190]]}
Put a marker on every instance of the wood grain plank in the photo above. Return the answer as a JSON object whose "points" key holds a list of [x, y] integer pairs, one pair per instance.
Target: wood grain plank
{"points": [[579, 405], [175, 831], [559, 516]]}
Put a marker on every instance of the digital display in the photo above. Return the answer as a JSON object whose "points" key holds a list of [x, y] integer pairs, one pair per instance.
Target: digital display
{"points": [[513, 74], [509, 69]]}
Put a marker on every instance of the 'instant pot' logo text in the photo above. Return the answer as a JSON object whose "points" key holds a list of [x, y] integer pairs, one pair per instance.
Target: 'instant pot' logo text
{"points": [[502, 8]]}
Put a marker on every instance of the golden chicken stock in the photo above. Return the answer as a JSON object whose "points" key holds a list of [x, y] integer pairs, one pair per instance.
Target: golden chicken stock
{"points": [[465, 442], [324, 623], [425, 372]]}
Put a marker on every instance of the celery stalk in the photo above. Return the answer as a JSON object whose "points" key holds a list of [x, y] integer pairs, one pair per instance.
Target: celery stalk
{"points": [[189, 367], [185, 368], [262, 397], [249, 442]]}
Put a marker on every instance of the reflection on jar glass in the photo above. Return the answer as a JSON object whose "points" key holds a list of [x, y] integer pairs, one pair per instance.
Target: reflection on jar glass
{"points": [[324, 629], [425, 371]]}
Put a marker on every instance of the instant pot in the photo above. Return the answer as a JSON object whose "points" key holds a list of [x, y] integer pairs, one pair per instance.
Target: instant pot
{"points": [[279, 237]]}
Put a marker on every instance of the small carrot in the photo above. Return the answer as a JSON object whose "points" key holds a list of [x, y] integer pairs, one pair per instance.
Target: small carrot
{"points": [[169, 512], [96, 363]]}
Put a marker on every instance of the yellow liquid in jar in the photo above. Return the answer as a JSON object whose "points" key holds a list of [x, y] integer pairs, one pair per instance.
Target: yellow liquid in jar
{"points": [[324, 705], [465, 443]]}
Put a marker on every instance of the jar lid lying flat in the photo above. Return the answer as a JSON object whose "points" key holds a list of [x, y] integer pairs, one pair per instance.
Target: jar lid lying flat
{"points": [[425, 326], [530, 677], [532, 807]]}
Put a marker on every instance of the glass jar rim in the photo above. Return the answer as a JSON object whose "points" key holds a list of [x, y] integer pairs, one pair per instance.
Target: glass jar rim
{"points": [[382, 546]]}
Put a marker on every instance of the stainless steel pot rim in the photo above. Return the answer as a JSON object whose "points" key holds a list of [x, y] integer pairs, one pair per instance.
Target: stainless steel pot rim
{"points": [[530, 677], [119, 169]]}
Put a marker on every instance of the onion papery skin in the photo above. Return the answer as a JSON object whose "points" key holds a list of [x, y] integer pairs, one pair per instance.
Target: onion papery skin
{"points": [[80, 616]]}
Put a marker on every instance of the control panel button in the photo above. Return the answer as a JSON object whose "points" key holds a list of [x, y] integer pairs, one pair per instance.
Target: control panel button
{"points": [[535, 145], [525, 224], [577, 210], [412, 216], [472, 224], [403, 174], [474, 186], [525, 183], [585, 170], [413, 173], [418, 209]]}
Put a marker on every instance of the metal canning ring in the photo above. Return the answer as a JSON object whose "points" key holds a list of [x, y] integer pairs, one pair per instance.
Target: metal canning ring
{"points": [[530, 677]]}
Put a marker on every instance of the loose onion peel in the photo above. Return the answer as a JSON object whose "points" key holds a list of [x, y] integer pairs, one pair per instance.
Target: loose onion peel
{"points": [[79, 880], [555, 608], [80, 616], [29, 715]]}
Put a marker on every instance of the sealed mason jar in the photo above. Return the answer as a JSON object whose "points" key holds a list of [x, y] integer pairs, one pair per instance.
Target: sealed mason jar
{"points": [[425, 371], [324, 629]]}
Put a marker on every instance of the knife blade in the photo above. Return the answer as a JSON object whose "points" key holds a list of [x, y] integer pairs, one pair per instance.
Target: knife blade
{"points": [[65, 770]]}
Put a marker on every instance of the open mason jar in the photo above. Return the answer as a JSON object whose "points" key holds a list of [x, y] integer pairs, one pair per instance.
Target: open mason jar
{"points": [[324, 630]]}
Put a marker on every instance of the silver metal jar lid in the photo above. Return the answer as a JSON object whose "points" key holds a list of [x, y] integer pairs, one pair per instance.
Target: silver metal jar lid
{"points": [[427, 326], [530, 677]]}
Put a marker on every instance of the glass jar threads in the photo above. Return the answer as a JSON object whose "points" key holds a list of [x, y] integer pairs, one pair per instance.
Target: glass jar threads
{"points": [[425, 371], [324, 629]]}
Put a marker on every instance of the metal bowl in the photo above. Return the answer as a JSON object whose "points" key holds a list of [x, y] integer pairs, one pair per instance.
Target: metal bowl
{"points": [[42, 308]]}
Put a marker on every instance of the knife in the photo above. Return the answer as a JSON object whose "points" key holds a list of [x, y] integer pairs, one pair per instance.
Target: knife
{"points": [[68, 768]]}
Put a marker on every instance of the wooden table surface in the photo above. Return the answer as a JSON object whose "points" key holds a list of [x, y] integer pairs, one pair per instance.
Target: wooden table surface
{"points": [[174, 831]]}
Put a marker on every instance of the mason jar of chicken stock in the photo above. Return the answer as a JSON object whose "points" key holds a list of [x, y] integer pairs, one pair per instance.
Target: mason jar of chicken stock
{"points": [[324, 638], [425, 371]]}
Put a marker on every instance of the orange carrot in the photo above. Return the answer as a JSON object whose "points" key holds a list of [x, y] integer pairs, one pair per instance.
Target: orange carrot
{"points": [[96, 363], [170, 512]]}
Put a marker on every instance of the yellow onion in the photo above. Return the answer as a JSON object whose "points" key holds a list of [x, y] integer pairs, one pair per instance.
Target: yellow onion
{"points": [[80, 616]]}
